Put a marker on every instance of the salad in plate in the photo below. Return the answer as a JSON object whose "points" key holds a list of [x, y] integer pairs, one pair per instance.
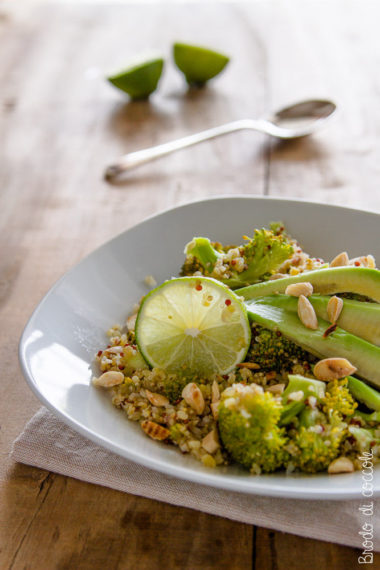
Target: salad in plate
{"points": [[258, 354]]}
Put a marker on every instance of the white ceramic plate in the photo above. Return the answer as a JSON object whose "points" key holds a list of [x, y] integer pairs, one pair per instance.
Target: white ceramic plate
{"points": [[68, 326]]}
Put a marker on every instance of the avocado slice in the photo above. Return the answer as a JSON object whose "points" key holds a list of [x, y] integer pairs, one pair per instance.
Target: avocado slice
{"points": [[360, 280], [357, 317], [362, 354]]}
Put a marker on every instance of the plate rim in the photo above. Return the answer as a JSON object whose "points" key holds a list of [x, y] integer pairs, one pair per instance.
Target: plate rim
{"points": [[184, 473]]}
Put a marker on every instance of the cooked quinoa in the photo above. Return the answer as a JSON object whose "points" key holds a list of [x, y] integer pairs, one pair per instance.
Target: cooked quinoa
{"points": [[162, 403]]}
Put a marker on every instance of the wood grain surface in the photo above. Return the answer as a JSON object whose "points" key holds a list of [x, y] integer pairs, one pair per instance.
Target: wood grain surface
{"points": [[60, 125]]}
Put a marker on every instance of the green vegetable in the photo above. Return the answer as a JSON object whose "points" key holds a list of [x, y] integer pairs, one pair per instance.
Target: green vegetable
{"points": [[365, 438], [362, 354], [329, 281], [262, 255], [363, 393], [271, 350], [248, 427], [309, 387], [357, 317]]}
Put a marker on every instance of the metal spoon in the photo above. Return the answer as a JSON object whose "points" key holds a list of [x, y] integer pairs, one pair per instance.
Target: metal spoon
{"points": [[295, 121]]}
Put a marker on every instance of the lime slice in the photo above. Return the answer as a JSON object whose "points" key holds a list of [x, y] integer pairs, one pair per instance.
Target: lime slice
{"points": [[193, 326], [139, 80], [198, 64]]}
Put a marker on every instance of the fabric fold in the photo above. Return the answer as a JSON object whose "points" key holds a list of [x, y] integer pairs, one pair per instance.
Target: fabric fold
{"points": [[48, 443]]}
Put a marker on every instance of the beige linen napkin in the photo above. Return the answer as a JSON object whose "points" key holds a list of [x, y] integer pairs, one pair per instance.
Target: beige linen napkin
{"points": [[48, 443]]}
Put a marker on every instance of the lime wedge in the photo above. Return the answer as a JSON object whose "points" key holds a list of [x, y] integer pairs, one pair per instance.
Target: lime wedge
{"points": [[140, 79], [198, 64], [193, 326]]}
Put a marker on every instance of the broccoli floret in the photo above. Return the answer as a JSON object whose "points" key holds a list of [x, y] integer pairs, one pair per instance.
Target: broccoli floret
{"points": [[173, 386], [248, 427], [256, 260], [272, 351], [320, 430], [338, 399], [318, 445]]}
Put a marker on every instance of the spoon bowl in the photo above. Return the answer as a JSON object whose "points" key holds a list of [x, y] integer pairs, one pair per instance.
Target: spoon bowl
{"points": [[294, 121], [303, 117]]}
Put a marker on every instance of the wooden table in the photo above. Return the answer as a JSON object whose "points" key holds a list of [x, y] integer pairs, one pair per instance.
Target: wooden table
{"points": [[61, 123]]}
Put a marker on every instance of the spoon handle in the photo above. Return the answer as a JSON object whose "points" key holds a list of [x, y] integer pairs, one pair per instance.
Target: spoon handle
{"points": [[139, 157]]}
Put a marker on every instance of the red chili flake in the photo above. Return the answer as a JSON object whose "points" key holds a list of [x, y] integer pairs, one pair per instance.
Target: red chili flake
{"points": [[108, 346], [372, 444], [357, 263], [329, 330], [228, 302], [121, 367], [199, 287], [100, 353], [121, 353], [278, 333], [225, 376], [233, 261], [306, 366], [177, 401]]}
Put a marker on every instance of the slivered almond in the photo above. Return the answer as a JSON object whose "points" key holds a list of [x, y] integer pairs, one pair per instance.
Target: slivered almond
{"points": [[211, 441], [333, 368], [156, 399], [215, 410], [215, 392], [341, 465], [276, 388], [340, 260], [297, 289], [334, 308], [155, 431], [306, 313], [250, 365], [194, 397], [109, 379]]}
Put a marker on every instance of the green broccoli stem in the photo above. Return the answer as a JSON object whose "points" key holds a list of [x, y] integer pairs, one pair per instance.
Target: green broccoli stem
{"points": [[309, 387], [289, 412], [204, 252], [364, 393]]}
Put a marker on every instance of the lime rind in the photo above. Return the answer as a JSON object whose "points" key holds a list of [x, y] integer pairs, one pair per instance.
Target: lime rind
{"points": [[186, 327], [140, 79], [198, 64]]}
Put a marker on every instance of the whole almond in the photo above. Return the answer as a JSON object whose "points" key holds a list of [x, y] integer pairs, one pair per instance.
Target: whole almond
{"points": [[334, 308], [340, 260], [306, 313], [194, 397], [297, 289], [333, 368]]}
